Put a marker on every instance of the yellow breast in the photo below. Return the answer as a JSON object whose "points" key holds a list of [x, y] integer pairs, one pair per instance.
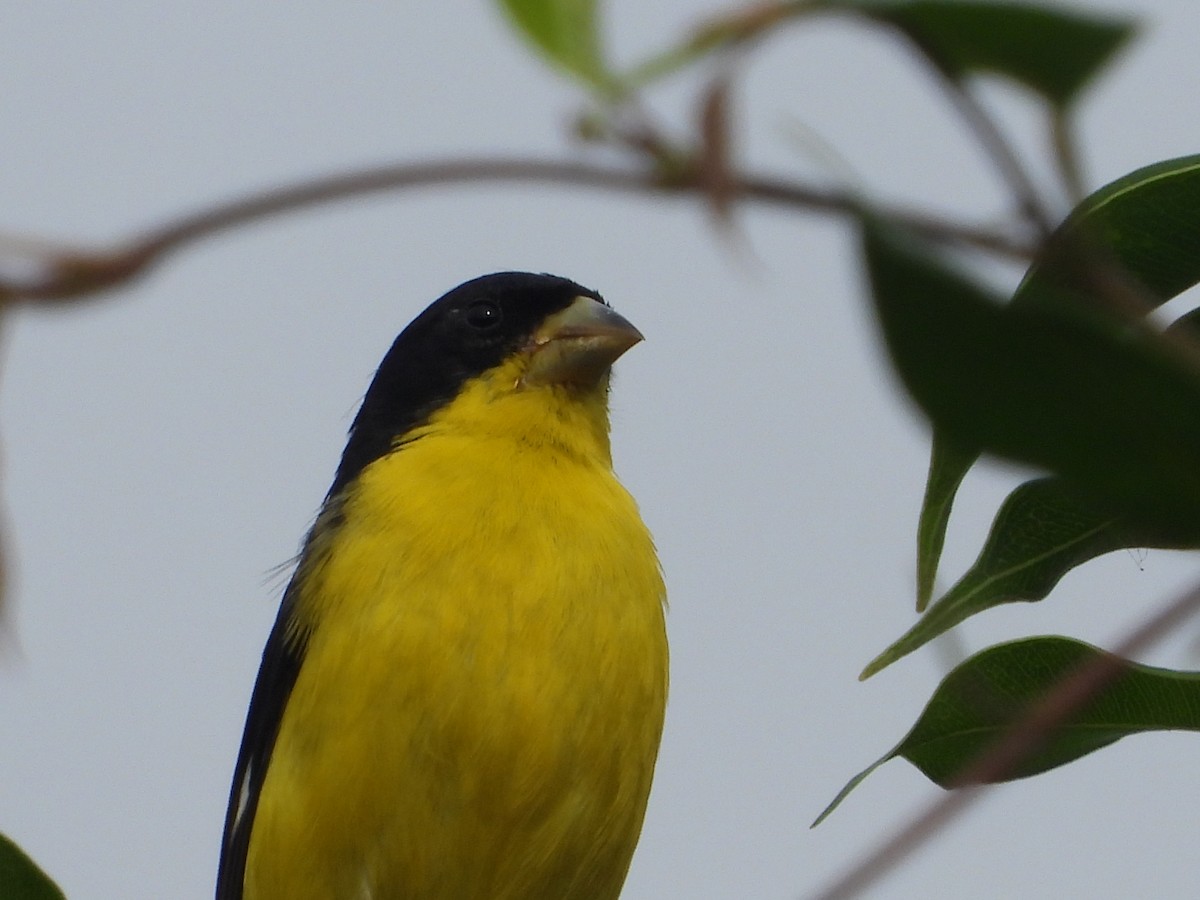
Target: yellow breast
{"points": [[482, 693]]}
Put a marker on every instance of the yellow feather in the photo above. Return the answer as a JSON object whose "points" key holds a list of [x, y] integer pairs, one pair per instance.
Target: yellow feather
{"points": [[481, 699]]}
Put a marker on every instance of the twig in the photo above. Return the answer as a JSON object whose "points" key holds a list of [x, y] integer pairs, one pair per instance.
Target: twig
{"points": [[990, 139], [1066, 155]]}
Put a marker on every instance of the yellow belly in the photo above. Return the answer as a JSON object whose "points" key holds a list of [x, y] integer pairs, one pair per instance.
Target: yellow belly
{"points": [[481, 699]]}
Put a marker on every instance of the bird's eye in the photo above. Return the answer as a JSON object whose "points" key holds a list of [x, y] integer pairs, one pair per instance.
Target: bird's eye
{"points": [[484, 315]]}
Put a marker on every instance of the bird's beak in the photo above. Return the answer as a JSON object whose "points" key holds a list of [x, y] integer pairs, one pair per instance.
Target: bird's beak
{"points": [[578, 345]]}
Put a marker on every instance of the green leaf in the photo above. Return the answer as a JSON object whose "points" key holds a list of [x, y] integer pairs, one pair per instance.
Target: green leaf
{"points": [[1042, 531], [567, 33], [948, 464], [1148, 223], [1051, 50], [981, 699], [1104, 403], [20, 878]]}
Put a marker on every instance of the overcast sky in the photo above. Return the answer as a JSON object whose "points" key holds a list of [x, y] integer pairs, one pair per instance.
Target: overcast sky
{"points": [[165, 448]]}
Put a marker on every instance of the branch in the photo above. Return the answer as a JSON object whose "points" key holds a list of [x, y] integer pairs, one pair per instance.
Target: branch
{"points": [[1066, 155], [70, 274], [990, 138]]}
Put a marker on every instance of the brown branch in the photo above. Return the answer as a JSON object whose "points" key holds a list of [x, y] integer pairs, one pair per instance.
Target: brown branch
{"points": [[73, 273], [1066, 698], [990, 138], [1066, 155]]}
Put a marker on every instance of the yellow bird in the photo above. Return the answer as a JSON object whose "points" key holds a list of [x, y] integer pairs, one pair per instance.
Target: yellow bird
{"points": [[463, 693]]}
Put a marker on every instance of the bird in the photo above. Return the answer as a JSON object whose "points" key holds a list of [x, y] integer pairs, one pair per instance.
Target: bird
{"points": [[464, 690]]}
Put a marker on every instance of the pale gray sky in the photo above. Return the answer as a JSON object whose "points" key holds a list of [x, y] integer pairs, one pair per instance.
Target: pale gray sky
{"points": [[164, 449]]}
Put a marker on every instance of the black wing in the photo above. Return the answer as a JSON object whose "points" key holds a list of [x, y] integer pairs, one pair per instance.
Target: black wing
{"points": [[276, 677]]}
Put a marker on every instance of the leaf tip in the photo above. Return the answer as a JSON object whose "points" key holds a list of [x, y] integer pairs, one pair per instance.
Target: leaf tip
{"points": [[924, 592], [849, 786], [898, 650], [872, 668]]}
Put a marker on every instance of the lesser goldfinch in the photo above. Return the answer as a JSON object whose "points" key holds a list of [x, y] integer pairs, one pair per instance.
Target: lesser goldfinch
{"points": [[463, 693]]}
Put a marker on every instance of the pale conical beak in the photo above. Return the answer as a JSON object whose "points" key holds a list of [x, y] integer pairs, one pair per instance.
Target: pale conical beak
{"points": [[579, 345]]}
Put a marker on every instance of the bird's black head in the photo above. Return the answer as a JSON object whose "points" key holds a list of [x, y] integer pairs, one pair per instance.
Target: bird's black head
{"points": [[469, 330]]}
